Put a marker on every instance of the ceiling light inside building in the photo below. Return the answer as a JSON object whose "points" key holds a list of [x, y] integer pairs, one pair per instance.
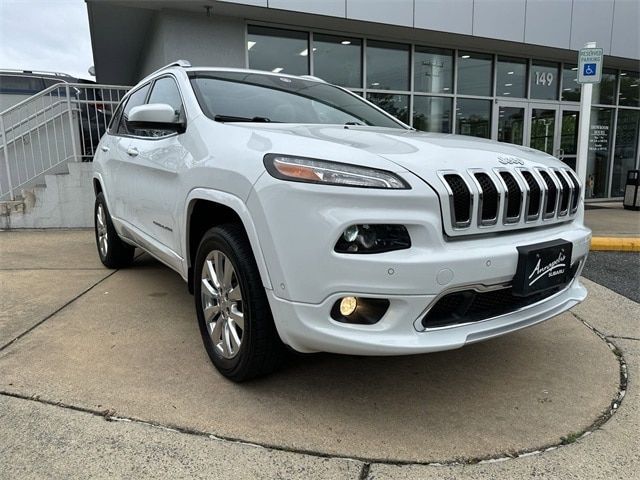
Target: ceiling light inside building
{"points": [[510, 73], [623, 74], [304, 52], [277, 70], [250, 45], [508, 84], [466, 56], [346, 42]]}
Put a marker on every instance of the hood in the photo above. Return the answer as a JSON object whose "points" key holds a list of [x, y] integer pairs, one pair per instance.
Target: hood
{"points": [[419, 152]]}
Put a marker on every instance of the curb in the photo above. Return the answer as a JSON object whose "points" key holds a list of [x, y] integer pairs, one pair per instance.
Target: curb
{"points": [[616, 244]]}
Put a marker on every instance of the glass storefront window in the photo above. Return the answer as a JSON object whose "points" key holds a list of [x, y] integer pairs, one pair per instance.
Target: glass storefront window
{"points": [[570, 85], [473, 117], [432, 114], [511, 124], [433, 70], [626, 151], [599, 152], [277, 50], [396, 105], [387, 66], [475, 74], [544, 80], [338, 60], [630, 89], [511, 78], [604, 92]]}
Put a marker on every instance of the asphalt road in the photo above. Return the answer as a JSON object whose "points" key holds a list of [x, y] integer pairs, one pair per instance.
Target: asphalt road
{"points": [[618, 271]]}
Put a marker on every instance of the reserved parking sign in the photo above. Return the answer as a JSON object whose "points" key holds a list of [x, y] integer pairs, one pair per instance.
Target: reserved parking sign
{"points": [[590, 65]]}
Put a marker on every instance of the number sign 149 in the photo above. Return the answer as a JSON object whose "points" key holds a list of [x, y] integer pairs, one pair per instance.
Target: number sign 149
{"points": [[544, 78]]}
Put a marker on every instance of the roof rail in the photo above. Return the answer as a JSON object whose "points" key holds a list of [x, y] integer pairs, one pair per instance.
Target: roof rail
{"points": [[313, 77], [34, 72], [177, 63]]}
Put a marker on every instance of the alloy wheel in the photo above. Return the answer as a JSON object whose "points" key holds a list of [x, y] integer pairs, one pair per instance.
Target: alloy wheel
{"points": [[222, 304]]}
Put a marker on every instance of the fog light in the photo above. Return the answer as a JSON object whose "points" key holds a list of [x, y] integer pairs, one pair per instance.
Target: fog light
{"points": [[348, 306]]}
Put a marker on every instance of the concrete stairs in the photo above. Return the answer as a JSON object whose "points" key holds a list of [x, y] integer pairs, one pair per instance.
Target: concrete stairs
{"points": [[65, 200]]}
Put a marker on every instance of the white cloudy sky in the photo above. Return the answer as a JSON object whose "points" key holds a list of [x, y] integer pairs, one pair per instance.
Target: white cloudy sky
{"points": [[45, 35]]}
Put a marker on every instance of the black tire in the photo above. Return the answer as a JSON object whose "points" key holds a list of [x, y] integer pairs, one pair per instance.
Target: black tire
{"points": [[118, 254], [260, 351]]}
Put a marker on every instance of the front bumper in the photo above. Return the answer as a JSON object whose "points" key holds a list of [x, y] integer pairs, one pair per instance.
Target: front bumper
{"points": [[308, 277]]}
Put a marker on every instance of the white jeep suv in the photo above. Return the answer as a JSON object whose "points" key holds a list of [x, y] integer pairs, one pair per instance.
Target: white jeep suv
{"points": [[302, 215]]}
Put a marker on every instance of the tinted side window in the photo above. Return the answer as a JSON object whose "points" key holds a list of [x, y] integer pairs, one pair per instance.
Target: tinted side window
{"points": [[136, 99], [20, 84]]}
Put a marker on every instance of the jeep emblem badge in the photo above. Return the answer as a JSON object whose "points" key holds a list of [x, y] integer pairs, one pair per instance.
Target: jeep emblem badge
{"points": [[505, 160]]}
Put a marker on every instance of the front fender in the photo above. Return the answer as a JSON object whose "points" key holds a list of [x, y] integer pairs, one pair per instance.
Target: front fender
{"points": [[237, 205]]}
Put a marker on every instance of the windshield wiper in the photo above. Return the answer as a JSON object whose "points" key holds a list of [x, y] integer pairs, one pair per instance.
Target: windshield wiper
{"points": [[231, 118]]}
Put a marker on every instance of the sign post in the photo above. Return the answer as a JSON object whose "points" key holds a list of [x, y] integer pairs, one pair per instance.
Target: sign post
{"points": [[589, 72]]}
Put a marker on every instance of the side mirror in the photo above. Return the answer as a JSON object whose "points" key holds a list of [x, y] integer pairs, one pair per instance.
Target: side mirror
{"points": [[155, 116]]}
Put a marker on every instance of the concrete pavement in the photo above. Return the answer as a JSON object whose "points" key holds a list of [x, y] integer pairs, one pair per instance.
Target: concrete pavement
{"points": [[129, 348]]}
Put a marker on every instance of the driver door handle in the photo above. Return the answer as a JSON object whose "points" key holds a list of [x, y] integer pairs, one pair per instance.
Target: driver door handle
{"points": [[104, 149], [132, 152]]}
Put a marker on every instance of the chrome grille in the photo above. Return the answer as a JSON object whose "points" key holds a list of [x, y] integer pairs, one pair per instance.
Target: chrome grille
{"points": [[482, 200]]}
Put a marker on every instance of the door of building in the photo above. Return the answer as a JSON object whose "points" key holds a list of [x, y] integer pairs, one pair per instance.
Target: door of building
{"points": [[543, 126], [510, 122]]}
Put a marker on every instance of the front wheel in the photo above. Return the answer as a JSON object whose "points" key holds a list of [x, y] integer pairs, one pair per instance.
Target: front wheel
{"points": [[233, 312]]}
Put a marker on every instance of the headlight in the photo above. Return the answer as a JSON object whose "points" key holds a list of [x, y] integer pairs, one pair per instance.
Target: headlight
{"points": [[308, 170]]}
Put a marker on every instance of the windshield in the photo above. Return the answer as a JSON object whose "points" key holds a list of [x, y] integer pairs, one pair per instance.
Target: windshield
{"points": [[254, 97]]}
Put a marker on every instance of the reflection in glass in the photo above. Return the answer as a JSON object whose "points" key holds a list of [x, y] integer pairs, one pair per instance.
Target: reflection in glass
{"points": [[570, 85], [474, 74], [543, 123], [432, 114], [569, 137], [387, 66], [599, 150], [511, 125], [630, 89], [338, 60], [624, 157], [544, 80], [433, 70], [604, 92], [396, 105], [473, 117], [511, 77], [277, 50]]}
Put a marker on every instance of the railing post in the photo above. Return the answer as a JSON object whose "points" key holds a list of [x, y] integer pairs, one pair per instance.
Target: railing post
{"points": [[73, 138], [6, 158]]}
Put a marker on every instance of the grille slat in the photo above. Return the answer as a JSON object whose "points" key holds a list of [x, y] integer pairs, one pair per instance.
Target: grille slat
{"points": [[513, 198], [490, 199], [552, 195], [535, 195], [576, 191], [508, 198], [461, 200], [565, 193]]}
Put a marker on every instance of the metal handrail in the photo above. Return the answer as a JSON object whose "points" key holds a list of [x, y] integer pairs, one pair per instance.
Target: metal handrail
{"points": [[60, 124]]}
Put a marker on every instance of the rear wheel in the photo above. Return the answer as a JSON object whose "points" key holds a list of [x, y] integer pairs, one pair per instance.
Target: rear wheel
{"points": [[233, 312], [113, 252]]}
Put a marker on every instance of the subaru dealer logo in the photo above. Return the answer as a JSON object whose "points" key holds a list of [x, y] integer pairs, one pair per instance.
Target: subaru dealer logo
{"points": [[505, 160]]}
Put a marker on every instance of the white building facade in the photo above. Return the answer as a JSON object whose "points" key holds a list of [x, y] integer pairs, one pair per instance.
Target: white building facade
{"points": [[500, 69]]}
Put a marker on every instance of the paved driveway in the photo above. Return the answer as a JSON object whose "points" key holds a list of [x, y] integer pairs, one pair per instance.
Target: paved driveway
{"points": [[79, 343]]}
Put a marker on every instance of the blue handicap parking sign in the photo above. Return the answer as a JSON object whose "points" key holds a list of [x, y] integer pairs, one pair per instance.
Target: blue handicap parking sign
{"points": [[589, 69]]}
